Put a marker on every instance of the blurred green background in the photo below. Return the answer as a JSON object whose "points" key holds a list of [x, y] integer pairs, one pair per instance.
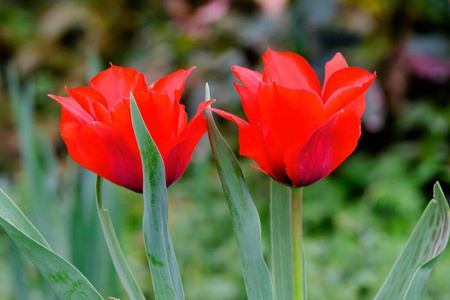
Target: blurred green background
{"points": [[356, 220]]}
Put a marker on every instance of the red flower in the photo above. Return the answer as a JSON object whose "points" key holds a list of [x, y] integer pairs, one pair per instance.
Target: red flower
{"points": [[297, 132], [96, 125]]}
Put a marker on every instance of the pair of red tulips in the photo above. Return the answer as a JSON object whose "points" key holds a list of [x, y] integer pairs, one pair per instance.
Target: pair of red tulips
{"points": [[297, 132]]}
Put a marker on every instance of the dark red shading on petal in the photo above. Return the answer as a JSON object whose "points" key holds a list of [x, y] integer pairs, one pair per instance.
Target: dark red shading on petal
{"points": [[345, 78], [328, 147], [103, 151], [289, 70]]}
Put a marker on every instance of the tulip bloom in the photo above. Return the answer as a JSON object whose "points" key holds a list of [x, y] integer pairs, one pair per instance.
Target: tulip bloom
{"points": [[96, 125], [298, 132]]}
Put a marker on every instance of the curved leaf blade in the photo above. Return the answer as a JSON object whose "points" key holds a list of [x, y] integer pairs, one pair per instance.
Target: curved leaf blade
{"points": [[244, 215], [161, 256], [412, 269], [64, 278]]}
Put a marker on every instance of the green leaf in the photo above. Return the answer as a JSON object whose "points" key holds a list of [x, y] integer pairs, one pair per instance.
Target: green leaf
{"points": [[412, 269], [64, 278], [244, 215], [120, 263], [161, 256]]}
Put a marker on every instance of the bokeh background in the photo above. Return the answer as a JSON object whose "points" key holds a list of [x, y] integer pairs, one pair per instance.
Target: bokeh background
{"points": [[356, 220]]}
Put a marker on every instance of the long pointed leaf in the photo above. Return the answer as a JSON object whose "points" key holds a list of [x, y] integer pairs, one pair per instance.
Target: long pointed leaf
{"points": [[64, 278], [161, 256], [244, 215], [412, 269]]}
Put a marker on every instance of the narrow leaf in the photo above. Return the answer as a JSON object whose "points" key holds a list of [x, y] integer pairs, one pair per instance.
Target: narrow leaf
{"points": [[161, 256], [412, 269], [244, 215], [120, 263], [64, 278]]}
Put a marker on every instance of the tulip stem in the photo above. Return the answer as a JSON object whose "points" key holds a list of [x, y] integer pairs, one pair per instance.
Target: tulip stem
{"points": [[298, 267], [280, 235], [122, 268]]}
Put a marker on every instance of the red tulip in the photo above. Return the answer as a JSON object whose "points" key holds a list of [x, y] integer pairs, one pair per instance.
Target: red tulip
{"points": [[297, 132], [96, 125]]}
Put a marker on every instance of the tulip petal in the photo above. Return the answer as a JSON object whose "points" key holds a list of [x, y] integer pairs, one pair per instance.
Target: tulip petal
{"points": [[121, 124], [172, 84], [178, 151], [239, 121], [326, 149], [162, 117], [335, 64], [101, 112], [288, 117], [72, 106], [116, 83], [249, 103], [346, 99], [103, 151], [249, 78], [86, 96], [70, 127], [178, 157], [91, 101], [248, 92], [292, 114], [165, 147], [289, 70], [345, 78]]}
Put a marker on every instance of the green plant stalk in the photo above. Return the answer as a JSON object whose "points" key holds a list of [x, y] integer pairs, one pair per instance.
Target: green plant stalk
{"points": [[119, 261], [280, 235], [298, 268]]}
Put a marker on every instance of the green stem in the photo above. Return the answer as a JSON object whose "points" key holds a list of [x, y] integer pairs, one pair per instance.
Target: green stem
{"points": [[122, 268], [298, 268], [280, 235]]}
